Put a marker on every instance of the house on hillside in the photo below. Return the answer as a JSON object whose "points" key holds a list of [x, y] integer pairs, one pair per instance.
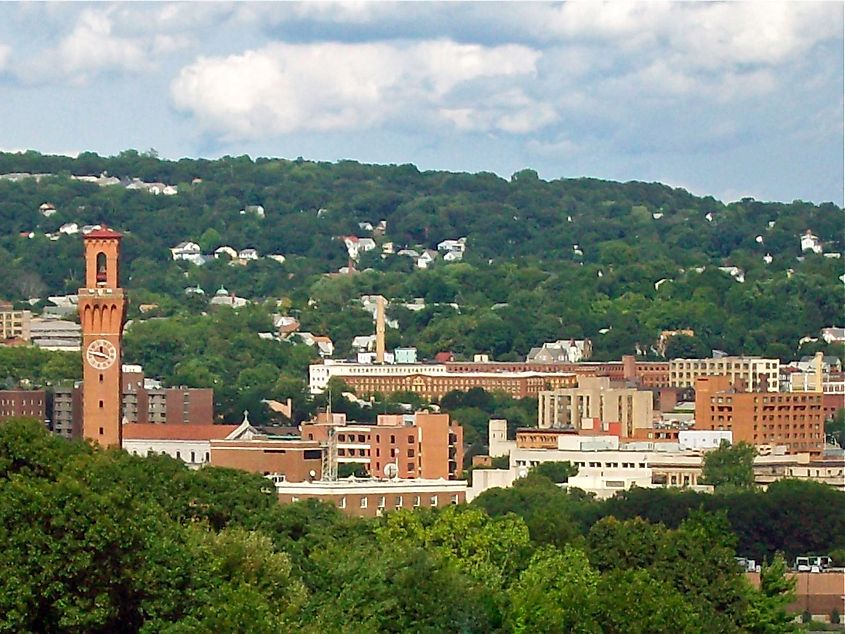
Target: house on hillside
{"points": [[47, 209], [561, 351], [256, 210], [228, 251], [185, 251], [224, 298], [426, 259], [735, 272], [811, 242], [833, 335], [247, 254], [452, 245], [69, 228]]}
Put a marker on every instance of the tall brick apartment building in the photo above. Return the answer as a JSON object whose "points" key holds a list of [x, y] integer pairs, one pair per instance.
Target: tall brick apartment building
{"points": [[793, 419]]}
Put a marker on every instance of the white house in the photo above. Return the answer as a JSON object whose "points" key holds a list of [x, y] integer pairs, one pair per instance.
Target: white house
{"points": [[366, 244], [227, 251], [426, 259], [833, 335], [452, 245], [735, 272], [69, 228], [453, 256], [277, 258], [47, 209], [185, 251], [364, 343], [247, 254], [258, 210], [810, 242]]}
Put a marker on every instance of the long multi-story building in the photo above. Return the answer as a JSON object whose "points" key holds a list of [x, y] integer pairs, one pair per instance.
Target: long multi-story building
{"points": [[419, 445], [593, 403], [29, 403], [372, 497], [793, 419], [56, 334], [433, 380], [519, 378], [748, 373]]}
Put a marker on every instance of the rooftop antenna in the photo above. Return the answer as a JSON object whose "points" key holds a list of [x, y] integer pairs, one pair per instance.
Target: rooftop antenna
{"points": [[330, 457]]}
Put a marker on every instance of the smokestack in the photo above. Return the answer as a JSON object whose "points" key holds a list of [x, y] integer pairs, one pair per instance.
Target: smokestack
{"points": [[380, 329], [819, 386]]}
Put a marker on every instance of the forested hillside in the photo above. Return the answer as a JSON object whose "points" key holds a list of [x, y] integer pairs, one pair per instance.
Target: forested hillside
{"points": [[617, 262]]}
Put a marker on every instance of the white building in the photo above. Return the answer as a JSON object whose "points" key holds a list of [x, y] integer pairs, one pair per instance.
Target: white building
{"points": [[810, 242], [189, 443], [458, 245], [561, 351], [224, 298], [228, 251], [186, 251]]}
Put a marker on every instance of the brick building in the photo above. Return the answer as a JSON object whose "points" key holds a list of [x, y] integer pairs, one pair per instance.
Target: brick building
{"points": [[421, 445], [518, 378], [289, 459], [146, 401], [30, 403], [793, 419], [517, 384]]}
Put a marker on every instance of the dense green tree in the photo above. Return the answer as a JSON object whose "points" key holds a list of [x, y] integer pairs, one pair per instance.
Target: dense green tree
{"points": [[557, 472], [730, 466], [556, 593]]}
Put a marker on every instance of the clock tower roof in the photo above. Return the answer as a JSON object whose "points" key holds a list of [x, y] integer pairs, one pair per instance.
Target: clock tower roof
{"points": [[103, 232]]}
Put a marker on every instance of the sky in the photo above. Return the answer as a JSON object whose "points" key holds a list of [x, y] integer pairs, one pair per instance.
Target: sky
{"points": [[726, 99]]}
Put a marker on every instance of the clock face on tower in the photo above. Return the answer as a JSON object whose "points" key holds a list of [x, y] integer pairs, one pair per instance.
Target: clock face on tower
{"points": [[101, 354]]}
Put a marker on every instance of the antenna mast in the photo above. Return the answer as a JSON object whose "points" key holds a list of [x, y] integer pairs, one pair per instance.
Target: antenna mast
{"points": [[330, 457]]}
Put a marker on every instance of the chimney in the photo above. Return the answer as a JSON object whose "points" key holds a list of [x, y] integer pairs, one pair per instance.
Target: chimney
{"points": [[819, 375], [380, 329]]}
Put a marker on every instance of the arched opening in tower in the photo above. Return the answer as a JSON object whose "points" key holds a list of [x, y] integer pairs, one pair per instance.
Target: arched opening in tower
{"points": [[101, 267]]}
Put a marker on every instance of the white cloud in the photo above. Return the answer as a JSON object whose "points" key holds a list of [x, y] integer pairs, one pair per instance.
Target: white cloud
{"points": [[5, 54], [283, 88], [109, 38]]}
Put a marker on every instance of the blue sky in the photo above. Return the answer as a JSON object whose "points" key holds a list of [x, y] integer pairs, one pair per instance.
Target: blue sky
{"points": [[727, 99]]}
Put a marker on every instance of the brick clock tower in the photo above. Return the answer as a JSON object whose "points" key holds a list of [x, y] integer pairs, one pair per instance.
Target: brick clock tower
{"points": [[102, 312]]}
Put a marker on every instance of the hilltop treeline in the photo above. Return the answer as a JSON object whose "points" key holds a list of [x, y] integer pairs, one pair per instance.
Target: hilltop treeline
{"points": [[100, 541], [617, 262]]}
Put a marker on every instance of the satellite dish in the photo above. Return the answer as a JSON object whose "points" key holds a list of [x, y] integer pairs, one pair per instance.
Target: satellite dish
{"points": [[391, 470]]}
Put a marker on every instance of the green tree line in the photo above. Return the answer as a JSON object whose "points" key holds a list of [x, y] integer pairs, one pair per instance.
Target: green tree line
{"points": [[101, 541]]}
